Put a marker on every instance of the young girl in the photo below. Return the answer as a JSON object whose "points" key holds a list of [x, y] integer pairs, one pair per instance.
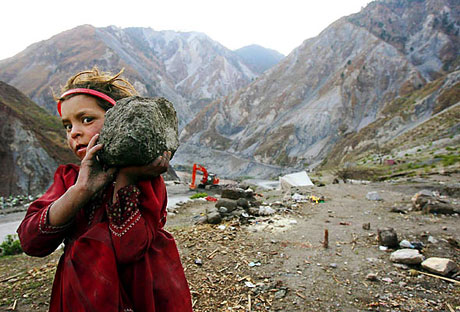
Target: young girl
{"points": [[117, 256]]}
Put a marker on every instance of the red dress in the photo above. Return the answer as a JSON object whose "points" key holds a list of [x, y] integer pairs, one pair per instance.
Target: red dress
{"points": [[117, 257]]}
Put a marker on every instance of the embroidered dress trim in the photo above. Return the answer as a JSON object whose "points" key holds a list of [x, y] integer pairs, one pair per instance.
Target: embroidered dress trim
{"points": [[124, 213], [45, 227]]}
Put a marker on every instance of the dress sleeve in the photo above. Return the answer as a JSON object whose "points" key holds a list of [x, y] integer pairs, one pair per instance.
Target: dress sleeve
{"points": [[130, 232], [39, 238]]}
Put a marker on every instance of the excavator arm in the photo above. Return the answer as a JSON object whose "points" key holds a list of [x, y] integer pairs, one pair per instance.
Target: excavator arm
{"points": [[204, 180]]}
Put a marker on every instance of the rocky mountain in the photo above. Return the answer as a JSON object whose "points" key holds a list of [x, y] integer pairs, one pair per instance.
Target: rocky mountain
{"points": [[259, 58], [32, 144], [356, 71], [190, 69]]}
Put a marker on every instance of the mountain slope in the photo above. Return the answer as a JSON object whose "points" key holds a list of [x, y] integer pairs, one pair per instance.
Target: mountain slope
{"points": [[259, 58], [334, 84], [32, 144], [189, 69]]}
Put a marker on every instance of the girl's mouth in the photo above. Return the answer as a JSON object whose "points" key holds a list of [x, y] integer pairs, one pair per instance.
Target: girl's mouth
{"points": [[81, 150]]}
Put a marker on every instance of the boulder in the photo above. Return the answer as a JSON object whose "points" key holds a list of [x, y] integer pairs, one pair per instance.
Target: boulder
{"points": [[137, 130], [236, 193], [227, 203], [243, 203], [406, 256], [214, 217], [442, 266], [387, 237]]}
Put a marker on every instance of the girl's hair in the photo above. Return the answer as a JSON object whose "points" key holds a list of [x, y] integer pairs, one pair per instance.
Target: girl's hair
{"points": [[112, 85]]}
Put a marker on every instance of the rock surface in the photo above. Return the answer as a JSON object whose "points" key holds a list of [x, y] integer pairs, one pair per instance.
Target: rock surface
{"points": [[387, 237], [441, 266], [138, 130], [407, 256], [32, 144]]}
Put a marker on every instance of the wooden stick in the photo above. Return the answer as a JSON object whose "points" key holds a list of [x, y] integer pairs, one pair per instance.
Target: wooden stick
{"points": [[10, 277], [326, 239], [450, 307], [300, 295], [440, 277], [211, 255], [249, 302]]}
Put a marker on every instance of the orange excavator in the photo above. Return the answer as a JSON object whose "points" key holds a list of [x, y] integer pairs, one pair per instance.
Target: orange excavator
{"points": [[208, 178]]}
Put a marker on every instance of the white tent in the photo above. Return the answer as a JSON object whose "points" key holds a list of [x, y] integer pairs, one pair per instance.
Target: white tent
{"points": [[295, 179]]}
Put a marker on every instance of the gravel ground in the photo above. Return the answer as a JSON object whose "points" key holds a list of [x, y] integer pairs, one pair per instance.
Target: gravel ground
{"points": [[279, 262]]}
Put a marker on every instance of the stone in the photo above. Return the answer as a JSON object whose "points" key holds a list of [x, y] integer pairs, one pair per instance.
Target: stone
{"points": [[420, 199], [253, 211], [214, 217], [137, 130], [236, 193], [266, 211], [406, 256], [280, 294], [442, 266], [371, 277], [366, 226], [237, 212], [387, 237], [227, 203], [432, 240], [427, 202], [374, 196], [243, 203], [222, 210], [201, 220]]}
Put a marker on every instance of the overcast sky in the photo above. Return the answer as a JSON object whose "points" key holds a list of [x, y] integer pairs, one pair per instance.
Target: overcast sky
{"points": [[281, 25]]}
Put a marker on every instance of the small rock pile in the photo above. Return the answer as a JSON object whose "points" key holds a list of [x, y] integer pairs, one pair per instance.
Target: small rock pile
{"points": [[410, 254], [238, 202]]}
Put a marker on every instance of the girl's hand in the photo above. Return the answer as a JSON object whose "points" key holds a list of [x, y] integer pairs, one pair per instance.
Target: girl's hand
{"points": [[133, 174], [92, 177]]}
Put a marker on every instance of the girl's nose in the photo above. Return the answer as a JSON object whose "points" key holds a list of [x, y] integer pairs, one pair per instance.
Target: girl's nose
{"points": [[76, 131]]}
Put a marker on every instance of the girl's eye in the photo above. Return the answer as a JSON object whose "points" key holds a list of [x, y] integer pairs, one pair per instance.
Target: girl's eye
{"points": [[87, 119], [68, 127]]}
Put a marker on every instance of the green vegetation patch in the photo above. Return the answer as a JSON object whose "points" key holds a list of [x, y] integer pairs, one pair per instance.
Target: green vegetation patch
{"points": [[10, 246], [198, 195]]}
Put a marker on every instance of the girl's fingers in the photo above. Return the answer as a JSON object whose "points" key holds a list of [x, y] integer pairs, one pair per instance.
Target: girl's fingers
{"points": [[92, 142], [157, 161], [90, 151]]}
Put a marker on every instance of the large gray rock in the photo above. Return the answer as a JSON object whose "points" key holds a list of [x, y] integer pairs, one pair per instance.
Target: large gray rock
{"points": [[137, 130], [407, 256]]}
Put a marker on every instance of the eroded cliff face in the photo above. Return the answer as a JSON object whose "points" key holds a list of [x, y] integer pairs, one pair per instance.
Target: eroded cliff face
{"points": [[26, 167], [32, 144], [332, 85]]}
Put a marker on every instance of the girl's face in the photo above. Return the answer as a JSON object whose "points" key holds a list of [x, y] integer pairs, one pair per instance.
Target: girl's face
{"points": [[82, 118]]}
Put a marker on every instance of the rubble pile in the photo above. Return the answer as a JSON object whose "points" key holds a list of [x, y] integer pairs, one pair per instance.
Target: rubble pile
{"points": [[432, 202]]}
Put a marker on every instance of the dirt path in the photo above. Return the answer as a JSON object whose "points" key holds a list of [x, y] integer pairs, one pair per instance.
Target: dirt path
{"points": [[278, 263]]}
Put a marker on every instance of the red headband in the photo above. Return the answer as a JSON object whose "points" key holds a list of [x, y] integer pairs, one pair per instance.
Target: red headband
{"points": [[84, 91]]}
